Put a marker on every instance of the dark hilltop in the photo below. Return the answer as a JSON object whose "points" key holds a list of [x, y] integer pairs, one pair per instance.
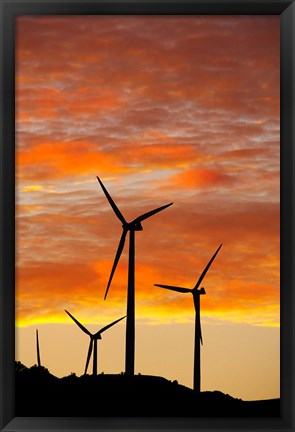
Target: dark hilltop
{"points": [[39, 393]]}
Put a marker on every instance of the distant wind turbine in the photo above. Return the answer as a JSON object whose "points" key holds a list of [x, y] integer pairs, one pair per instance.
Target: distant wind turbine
{"points": [[198, 333], [93, 341], [38, 349], [133, 226]]}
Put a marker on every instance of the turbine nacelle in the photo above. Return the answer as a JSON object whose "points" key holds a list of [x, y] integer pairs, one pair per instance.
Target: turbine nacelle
{"points": [[134, 226], [96, 336], [198, 291]]}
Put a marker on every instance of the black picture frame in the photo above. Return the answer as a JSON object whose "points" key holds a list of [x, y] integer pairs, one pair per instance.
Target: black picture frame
{"points": [[9, 9]]}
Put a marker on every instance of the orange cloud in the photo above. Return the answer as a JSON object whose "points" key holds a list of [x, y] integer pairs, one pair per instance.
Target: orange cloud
{"points": [[162, 108], [196, 178], [58, 159]]}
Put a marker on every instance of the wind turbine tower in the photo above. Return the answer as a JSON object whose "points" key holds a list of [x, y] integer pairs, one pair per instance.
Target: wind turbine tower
{"points": [[132, 227], [93, 341], [198, 332], [38, 349]]}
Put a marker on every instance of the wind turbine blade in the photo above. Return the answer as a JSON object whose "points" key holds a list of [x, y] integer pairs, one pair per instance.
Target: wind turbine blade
{"points": [[206, 269], [117, 257], [79, 324], [173, 288], [112, 203], [201, 338], [108, 326], [89, 355], [150, 213]]}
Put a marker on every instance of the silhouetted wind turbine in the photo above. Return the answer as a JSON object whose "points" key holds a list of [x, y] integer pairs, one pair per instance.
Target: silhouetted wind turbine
{"points": [[198, 333], [133, 226], [93, 341], [38, 349]]}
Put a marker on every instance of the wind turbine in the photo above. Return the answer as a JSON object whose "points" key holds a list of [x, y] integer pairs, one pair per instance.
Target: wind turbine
{"points": [[198, 333], [38, 349], [133, 226], [93, 341]]}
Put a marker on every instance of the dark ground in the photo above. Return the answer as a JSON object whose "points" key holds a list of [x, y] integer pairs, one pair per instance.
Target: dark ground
{"points": [[38, 394]]}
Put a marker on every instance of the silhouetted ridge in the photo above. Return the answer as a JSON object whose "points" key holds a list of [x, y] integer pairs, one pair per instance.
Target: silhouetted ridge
{"points": [[39, 393]]}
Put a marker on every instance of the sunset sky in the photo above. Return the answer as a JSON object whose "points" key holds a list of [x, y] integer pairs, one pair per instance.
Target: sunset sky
{"points": [[181, 109]]}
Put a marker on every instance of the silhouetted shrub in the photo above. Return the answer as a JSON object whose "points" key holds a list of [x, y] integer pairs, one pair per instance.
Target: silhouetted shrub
{"points": [[39, 369], [19, 367]]}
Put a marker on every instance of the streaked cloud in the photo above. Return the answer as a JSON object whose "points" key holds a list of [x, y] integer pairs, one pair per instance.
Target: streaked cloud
{"points": [[182, 109]]}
